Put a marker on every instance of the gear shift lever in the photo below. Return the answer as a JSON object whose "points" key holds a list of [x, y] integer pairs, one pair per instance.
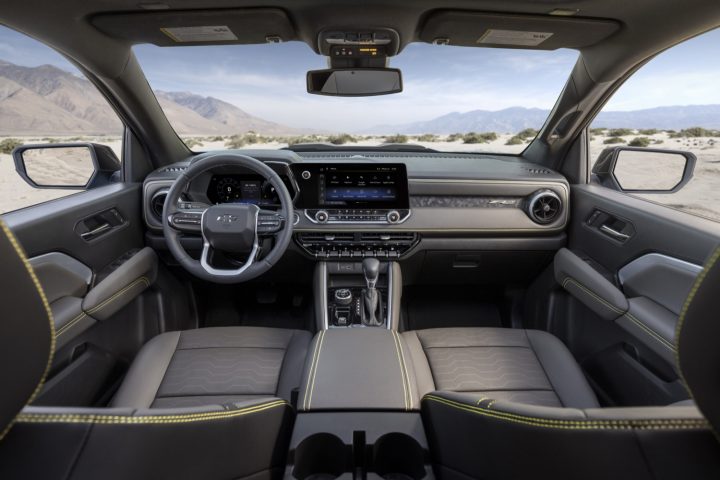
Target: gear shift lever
{"points": [[371, 270], [371, 301]]}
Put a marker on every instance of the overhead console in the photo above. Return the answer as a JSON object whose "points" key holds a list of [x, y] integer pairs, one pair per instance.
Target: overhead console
{"points": [[363, 193]]}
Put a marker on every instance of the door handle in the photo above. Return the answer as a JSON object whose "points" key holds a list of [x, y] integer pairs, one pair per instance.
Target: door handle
{"points": [[611, 232], [95, 231]]}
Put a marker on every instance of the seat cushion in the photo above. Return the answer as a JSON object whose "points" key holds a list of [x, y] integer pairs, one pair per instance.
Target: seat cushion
{"points": [[214, 366], [524, 366]]}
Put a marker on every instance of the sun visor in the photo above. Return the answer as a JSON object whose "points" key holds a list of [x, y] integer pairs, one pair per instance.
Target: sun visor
{"points": [[534, 32], [198, 27]]}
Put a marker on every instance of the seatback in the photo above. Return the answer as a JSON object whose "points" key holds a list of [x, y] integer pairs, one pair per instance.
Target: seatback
{"points": [[483, 438], [242, 440]]}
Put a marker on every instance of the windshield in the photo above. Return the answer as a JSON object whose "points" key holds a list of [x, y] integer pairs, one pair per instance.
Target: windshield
{"points": [[454, 98]]}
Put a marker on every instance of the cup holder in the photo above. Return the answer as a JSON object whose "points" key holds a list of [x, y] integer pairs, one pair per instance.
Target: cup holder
{"points": [[321, 456], [396, 456]]}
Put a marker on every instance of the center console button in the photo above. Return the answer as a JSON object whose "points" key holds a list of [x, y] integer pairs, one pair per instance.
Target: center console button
{"points": [[321, 216]]}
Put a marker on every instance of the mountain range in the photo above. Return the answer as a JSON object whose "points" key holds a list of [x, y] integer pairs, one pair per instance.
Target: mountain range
{"points": [[47, 100], [515, 119]]}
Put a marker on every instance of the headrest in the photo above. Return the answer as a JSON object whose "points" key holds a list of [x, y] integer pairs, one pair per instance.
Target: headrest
{"points": [[698, 334], [27, 334]]}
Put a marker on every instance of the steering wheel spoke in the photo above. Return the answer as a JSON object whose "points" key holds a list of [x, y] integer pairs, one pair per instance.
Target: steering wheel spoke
{"points": [[186, 221], [269, 223]]}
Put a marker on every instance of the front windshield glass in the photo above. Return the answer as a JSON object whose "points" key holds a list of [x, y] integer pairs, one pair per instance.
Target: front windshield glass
{"points": [[455, 99]]}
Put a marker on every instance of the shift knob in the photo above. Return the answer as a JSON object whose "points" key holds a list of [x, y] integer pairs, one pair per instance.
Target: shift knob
{"points": [[371, 270]]}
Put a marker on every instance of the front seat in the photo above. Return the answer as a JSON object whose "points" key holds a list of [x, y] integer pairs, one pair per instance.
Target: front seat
{"points": [[536, 417], [198, 404]]}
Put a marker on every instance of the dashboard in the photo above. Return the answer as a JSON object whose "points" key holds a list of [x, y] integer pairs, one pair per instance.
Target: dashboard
{"points": [[391, 204]]}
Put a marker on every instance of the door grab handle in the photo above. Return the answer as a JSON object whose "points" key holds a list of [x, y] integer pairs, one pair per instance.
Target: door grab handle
{"points": [[95, 231], [614, 233]]}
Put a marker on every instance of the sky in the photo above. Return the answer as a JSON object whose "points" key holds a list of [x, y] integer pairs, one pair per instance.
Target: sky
{"points": [[269, 80]]}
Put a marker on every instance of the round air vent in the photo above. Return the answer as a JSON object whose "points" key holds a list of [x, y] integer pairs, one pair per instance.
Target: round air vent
{"points": [[544, 207], [157, 203]]}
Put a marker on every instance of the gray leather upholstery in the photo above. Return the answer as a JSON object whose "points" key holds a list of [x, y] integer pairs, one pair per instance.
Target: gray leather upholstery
{"points": [[358, 369], [589, 286], [26, 331], [122, 285], [228, 437], [697, 336], [214, 366], [526, 366]]}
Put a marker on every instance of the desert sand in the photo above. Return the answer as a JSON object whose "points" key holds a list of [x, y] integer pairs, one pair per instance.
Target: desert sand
{"points": [[700, 197]]}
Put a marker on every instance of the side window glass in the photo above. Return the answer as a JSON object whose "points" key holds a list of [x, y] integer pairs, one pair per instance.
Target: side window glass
{"points": [[658, 138], [46, 101]]}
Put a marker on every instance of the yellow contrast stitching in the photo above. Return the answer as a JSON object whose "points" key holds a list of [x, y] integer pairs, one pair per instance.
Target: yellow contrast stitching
{"points": [[144, 419], [696, 286], [592, 294], [647, 424], [402, 374], [46, 304], [650, 331], [115, 296], [313, 369], [69, 324]]}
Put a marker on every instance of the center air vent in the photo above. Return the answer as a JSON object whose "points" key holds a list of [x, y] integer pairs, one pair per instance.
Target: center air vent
{"points": [[544, 207], [157, 203]]}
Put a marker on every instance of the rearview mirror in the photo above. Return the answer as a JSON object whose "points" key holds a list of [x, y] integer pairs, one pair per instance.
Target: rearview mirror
{"points": [[354, 82], [644, 170], [74, 166]]}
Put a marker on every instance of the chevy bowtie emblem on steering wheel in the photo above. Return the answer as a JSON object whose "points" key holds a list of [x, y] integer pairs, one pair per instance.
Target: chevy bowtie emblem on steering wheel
{"points": [[226, 219]]}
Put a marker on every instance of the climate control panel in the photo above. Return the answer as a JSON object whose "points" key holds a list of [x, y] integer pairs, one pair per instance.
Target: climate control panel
{"points": [[356, 245]]}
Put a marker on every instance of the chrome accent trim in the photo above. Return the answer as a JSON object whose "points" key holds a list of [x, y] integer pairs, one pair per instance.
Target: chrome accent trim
{"points": [[650, 259], [614, 233], [537, 196], [223, 272]]}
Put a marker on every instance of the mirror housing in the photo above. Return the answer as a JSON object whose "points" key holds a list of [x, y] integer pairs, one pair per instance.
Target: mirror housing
{"points": [[104, 165], [606, 172], [354, 82]]}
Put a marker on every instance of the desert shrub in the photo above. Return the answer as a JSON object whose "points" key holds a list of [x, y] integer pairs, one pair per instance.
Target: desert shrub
{"points": [[299, 139], [427, 137], [454, 137], [236, 141], [341, 139], [640, 142], [648, 131], [613, 140], [484, 137], [192, 142], [597, 131], [695, 132], [527, 134], [9, 144], [515, 140], [217, 138], [397, 138], [619, 132], [54, 140]]}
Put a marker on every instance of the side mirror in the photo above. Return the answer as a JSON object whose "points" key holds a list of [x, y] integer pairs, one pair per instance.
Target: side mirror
{"points": [[75, 166], [644, 170], [354, 82]]}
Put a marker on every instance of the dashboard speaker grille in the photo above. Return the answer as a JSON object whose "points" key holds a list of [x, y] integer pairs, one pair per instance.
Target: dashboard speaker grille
{"points": [[544, 207]]}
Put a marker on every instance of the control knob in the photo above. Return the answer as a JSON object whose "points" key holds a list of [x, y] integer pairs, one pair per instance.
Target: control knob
{"points": [[393, 216], [343, 296], [321, 216]]}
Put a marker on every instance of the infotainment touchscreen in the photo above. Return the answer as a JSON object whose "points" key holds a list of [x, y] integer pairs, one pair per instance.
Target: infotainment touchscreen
{"points": [[358, 185]]}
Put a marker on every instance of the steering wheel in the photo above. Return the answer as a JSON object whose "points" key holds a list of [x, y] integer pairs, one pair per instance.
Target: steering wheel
{"points": [[231, 227]]}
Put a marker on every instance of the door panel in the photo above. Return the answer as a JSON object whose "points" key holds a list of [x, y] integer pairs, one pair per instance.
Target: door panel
{"points": [[651, 254]]}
